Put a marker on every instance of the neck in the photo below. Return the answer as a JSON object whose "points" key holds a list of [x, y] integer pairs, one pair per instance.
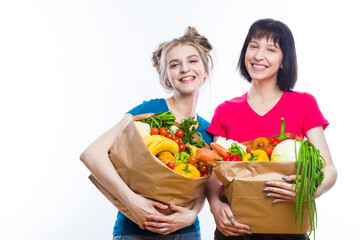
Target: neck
{"points": [[183, 106], [264, 90]]}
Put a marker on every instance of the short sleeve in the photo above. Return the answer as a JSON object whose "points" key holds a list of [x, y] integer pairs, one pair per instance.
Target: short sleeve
{"points": [[313, 117], [217, 127], [152, 106]]}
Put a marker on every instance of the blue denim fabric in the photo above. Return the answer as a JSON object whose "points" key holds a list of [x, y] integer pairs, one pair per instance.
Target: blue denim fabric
{"points": [[183, 236]]}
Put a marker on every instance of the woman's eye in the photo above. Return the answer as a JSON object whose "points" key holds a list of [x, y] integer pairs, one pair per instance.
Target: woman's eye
{"points": [[271, 50], [193, 61], [174, 65], [252, 46]]}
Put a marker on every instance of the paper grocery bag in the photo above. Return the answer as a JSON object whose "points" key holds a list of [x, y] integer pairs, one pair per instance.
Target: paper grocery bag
{"points": [[145, 174], [244, 183]]}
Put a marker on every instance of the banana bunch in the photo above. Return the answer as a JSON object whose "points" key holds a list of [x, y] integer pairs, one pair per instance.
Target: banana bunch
{"points": [[159, 143]]}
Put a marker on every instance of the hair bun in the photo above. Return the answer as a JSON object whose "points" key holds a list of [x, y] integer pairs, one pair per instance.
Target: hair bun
{"points": [[156, 56], [200, 39]]}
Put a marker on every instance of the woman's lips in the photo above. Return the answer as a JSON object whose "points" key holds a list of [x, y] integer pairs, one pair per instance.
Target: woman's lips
{"points": [[259, 67], [187, 78]]}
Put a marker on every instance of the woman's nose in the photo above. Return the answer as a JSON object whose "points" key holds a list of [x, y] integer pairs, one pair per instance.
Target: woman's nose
{"points": [[259, 54], [184, 68]]}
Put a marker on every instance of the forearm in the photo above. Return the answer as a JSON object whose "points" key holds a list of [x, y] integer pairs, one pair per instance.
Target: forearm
{"points": [[330, 176], [199, 203], [212, 190], [316, 136], [106, 174], [96, 159]]}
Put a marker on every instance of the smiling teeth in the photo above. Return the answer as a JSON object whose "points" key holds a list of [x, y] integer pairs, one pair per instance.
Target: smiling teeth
{"points": [[187, 78], [258, 66]]}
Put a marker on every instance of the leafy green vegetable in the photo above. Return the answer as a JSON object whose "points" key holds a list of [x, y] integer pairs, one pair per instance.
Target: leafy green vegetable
{"points": [[166, 120], [236, 149], [309, 176], [182, 158], [188, 126]]}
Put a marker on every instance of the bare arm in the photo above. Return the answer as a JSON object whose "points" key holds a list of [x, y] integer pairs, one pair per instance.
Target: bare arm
{"points": [[96, 159], [223, 216], [316, 136], [180, 218]]}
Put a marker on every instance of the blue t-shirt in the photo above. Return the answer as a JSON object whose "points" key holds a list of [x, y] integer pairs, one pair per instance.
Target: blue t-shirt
{"points": [[123, 225]]}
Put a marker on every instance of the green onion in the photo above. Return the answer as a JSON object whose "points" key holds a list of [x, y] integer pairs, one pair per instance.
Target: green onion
{"points": [[309, 164]]}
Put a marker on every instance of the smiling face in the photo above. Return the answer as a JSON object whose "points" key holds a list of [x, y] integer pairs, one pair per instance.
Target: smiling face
{"points": [[185, 69], [263, 59]]}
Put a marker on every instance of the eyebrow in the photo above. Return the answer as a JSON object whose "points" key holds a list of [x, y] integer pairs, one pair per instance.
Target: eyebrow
{"points": [[269, 44], [190, 56]]}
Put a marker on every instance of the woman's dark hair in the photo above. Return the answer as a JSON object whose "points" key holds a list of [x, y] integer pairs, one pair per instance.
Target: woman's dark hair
{"points": [[282, 36]]}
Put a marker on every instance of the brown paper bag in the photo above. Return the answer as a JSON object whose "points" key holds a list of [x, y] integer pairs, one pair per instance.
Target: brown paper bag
{"points": [[244, 183], [145, 174]]}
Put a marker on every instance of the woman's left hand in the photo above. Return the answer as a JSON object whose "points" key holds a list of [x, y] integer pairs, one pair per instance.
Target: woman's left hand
{"points": [[281, 191], [165, 224]]}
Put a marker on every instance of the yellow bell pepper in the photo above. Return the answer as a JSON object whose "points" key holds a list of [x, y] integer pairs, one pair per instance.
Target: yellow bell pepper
{"points": [[187, 170], [256, 155]]}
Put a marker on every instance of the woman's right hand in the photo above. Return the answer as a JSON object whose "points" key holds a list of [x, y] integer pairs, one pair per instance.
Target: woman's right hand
{"points": [[141, 207], [225, 221]]}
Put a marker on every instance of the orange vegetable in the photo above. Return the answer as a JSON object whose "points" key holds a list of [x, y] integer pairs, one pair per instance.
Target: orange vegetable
{"points": [[219, 149], [207, 155], [167, 157], [260, 142]]}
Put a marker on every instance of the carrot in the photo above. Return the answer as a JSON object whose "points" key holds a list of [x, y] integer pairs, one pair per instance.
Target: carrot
{"points": [[207, 155], [219, 149]]}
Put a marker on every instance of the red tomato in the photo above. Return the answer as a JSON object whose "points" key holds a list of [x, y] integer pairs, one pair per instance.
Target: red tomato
{"points": [[260, 144], [269, 149], [249, 149], [234, 157], [163, 131], [192, 160], [226, 158], [273, 141], [182, 147], [171, 165], [177, 140], [203, 169], [170, 135], [154, 131], [179, 133], [196, 165]]}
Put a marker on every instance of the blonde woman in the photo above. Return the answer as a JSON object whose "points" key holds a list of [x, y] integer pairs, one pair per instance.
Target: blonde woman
{"points": [[183, 65]]}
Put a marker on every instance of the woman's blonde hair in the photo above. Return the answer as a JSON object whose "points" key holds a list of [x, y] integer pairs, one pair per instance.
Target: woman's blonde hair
{"points": [[190, 37]]}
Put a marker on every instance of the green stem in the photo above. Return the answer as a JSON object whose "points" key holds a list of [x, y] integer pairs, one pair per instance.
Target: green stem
{"points": [[282, 131]]}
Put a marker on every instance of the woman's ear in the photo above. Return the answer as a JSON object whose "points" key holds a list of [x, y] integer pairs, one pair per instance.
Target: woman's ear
{"points": [[205, 75], [167, 81]]}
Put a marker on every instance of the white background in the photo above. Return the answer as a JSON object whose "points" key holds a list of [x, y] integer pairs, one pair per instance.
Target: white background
{"points": [[70, 69]]}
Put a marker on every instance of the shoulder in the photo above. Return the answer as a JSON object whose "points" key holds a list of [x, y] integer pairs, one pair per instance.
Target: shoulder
{"points": [[300, 95], [157, 105], [203, 122], [238, 101]]}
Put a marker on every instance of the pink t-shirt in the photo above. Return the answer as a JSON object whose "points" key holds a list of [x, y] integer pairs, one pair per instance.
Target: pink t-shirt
{"points": [[235, 119]]}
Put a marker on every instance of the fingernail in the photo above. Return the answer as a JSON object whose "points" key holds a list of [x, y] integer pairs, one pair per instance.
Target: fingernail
{"points": [[268, 195], [266, 189], [249, 233], [232, 221], [249, 229], [275, 201], [285, 177], [268, 183]]}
